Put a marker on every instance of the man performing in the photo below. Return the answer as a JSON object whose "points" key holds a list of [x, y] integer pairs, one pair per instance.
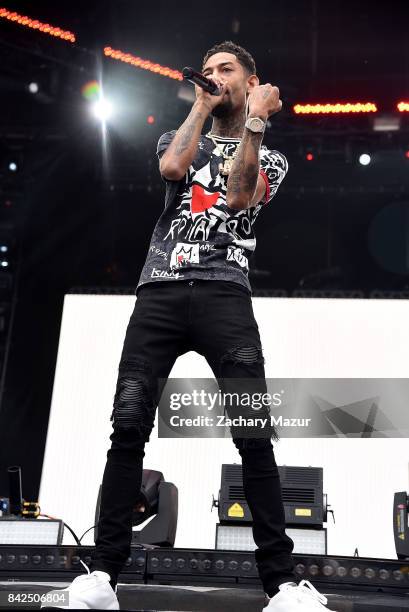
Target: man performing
{"points": [[194, 294]]}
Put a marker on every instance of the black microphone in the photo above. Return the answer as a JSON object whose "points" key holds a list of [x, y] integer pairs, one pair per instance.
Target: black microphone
{"points": [[198, 79]]}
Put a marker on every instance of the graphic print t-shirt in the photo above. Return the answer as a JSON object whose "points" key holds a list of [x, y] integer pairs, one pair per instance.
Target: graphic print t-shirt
{"points": [[197, 234]]}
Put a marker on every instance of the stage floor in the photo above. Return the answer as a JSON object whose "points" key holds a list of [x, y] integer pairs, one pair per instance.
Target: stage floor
{"points": [[165, 598], [202, 599]]}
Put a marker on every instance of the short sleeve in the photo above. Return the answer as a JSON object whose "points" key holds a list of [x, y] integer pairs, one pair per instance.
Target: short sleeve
{"points": [[164, 141], [273, 168]]}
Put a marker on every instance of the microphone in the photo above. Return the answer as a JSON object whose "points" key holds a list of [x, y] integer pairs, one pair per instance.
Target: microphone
{"points": [[198, 79]]}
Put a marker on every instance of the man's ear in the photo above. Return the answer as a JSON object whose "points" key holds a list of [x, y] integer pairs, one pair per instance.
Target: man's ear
{"points": [[252, 82]]}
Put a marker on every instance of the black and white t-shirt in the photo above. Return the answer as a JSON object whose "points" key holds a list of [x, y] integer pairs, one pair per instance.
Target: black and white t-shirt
{"points": [[197, 234]]}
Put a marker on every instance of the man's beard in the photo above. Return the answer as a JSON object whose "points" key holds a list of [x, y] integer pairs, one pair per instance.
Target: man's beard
{"points": [[222, 110]]}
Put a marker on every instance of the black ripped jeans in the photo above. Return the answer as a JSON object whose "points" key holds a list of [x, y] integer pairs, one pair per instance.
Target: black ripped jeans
{"points": [[214, 318]]}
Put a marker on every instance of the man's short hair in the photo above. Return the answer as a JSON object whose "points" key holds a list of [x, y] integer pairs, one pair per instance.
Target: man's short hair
{"points": [[243, 56]]}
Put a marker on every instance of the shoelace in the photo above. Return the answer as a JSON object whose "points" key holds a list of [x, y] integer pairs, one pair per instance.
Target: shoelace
{"points": [[86, 567], [306, 589], [83, 576]]}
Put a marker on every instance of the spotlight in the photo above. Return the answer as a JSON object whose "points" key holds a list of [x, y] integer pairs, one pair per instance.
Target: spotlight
{"points": [[158, 499], [33, 87], [309, 157], [13, 166], [387, 123], [102, 109], [4, 248], [364, 159], [4, 264]]}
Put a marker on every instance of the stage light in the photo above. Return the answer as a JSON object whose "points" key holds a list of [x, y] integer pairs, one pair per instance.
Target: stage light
{"points": [[150, 119], [364, 159], [403, 107], [240, 537], [102, 109], [4, 264], [309, 157], [13, 166], [26, 531], [387, 123], [33, 87], [138, 62], [4, 248], [407, 154], [339, 108], [27, 22]]}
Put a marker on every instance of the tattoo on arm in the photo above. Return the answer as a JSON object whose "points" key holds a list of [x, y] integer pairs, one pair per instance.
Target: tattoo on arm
{"points": [[256, 146], [244, 173], [234, 180], [186, 134], [250, 176]]}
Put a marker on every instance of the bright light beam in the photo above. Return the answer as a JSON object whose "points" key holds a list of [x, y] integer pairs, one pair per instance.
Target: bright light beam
{"points": [[102, 109], [364, 159]]}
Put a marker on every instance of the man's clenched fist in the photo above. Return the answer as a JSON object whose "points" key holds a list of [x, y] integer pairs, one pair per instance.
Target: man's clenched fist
{"points": [[264, 100]]}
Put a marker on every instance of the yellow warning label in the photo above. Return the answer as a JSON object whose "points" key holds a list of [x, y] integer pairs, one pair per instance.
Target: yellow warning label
{"points": [[303, 512], [236, 510]]}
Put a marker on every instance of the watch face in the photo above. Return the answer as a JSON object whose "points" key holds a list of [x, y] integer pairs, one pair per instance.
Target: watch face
{"points": [[255, 124]]}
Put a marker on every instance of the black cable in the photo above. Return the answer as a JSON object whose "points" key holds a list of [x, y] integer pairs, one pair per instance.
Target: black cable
{"points": [[75, 537], [65, 525], [93, 527]]}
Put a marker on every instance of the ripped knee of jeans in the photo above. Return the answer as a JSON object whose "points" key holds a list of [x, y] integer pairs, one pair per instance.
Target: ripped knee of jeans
{"points": [[248, 384], [247, 355], [134, 405]]}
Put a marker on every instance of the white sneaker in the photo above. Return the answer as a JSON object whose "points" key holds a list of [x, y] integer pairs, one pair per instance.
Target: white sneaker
{"points": [[303, 597], [90, 591]]}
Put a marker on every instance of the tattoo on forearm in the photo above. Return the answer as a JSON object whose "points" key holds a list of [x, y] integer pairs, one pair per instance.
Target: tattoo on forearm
{"points": [[186, 134], [234, 180], [244, 174], [255, 141], [250, 176]]}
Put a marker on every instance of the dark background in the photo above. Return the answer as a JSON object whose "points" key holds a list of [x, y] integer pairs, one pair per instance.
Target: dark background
{"points": [[76, 214]]}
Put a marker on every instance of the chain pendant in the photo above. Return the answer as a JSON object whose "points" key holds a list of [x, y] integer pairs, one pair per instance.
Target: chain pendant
{"points": [[226, 167]]}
